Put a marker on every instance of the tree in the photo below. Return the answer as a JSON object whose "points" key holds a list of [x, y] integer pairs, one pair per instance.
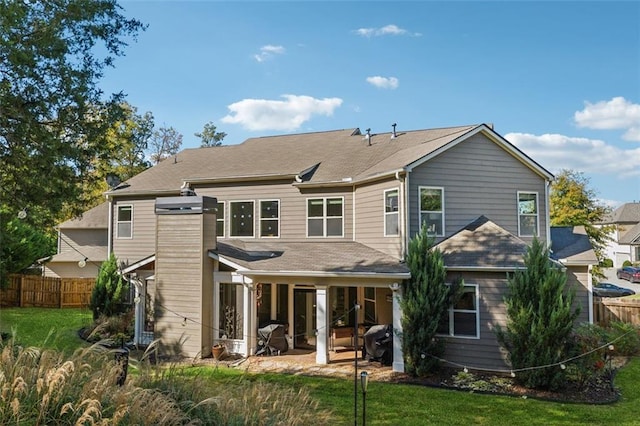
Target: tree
{"points": [[109, 293], [209, 136], [540, 319], [426, 298], [164, 143], [574, 203], [53, 115]]}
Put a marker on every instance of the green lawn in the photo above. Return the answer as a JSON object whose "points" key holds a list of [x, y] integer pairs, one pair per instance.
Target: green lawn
{"points": [[387, 404], [54, 328]]}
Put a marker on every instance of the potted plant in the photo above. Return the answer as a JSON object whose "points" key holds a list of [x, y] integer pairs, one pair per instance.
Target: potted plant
{"points": [[217, 351]]}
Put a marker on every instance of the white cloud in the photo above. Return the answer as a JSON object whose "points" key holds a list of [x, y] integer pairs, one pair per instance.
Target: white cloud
{"points": [[268, 51], [618, 113], [556, 152], [382, 31], [286, 115], [383, 82]]}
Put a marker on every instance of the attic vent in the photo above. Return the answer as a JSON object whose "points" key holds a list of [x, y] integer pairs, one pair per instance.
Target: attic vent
{"points": [[368, 136], [393, 134]]}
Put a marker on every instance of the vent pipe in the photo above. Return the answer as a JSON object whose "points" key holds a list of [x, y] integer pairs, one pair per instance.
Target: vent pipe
{"points": [[393, 134], [368, 136]]}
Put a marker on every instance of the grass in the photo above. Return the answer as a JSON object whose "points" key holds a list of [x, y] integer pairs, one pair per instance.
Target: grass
{"points": [[387, 404], [46, 327]]}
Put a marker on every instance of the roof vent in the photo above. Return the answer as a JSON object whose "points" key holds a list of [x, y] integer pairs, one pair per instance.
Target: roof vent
{"points": [[393, 134], [368, 136], [186, 191]]}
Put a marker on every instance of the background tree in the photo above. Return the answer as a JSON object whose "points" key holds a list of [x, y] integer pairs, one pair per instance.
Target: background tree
{"points": [[209, 136], [574, 203], [540, 319], [425, 301], [52, 55], [165, 142]]}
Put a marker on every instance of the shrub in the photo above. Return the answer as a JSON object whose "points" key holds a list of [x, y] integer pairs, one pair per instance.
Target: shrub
{"points": [[627, 263], [586, 362], [425, 299], [607, 263], [110, 291], [625, 338], [540, 317]]}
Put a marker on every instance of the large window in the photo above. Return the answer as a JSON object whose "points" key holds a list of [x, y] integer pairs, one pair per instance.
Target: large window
{"points": [[528, 214], [325, 217], [220, 219], [269, 218], [391, 213], [124, 222], [241, 218], [432, 210], [230, 324], [463, 318]]}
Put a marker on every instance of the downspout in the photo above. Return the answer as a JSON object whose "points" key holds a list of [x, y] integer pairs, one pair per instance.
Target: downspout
{"points": [[405, 214], [547, 211], [110, 227], [401, 198]]}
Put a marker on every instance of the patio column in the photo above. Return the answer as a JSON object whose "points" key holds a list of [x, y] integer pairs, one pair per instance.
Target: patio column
{"points": [[322, 325], [398, 357]]}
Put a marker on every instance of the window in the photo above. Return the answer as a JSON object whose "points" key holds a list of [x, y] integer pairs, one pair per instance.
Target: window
{"points": [[432, 210], [269, 218], [230, 324], [124, 224], [324, 217], [241, 222], [528, 214], [391, 214], [220, 219], [463, 319]]}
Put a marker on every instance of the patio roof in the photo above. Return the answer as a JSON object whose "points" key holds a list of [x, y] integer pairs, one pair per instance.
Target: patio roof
{"points": [[315, 259]]}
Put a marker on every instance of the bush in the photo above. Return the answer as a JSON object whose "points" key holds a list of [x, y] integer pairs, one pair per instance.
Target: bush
{"points": [[627, 263], [625, 338], [110, 291], [607, 263], [586, 364]]}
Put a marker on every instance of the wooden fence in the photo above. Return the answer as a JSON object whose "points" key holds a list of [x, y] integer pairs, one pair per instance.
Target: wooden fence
{"points": [[47, 292], [606, 310]]}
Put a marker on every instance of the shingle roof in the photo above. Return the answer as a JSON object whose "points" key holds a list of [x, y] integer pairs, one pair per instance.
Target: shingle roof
{"points": [[309, 257], [96, 218], [632, 236], [626, 213], [332, 156], [571, 245], [92, 253], [483, 244]]}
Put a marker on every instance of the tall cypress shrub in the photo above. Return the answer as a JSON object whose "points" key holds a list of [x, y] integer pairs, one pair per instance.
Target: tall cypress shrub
{"points": [[540, 319], [109, 293], [426, 298]]}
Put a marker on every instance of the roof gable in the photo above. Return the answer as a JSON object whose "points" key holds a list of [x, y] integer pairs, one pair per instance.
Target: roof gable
{"points": [[571, 245], [626, 213]]}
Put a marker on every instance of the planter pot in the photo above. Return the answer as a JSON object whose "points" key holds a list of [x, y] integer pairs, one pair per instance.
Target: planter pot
{"points": [[217, 351]]}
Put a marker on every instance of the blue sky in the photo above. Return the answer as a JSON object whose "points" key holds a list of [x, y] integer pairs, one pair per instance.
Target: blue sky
{"points": [[560, 80]]}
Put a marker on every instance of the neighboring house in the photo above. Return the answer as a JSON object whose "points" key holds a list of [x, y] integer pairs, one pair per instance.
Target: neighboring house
{"points": [[82, 245], [298, 228], [625, 237]]}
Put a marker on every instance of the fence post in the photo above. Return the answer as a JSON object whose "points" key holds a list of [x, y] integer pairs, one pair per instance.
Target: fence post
{"points": [[60, 294], [20, 293]]}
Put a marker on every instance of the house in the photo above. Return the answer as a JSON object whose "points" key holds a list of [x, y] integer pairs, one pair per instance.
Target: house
{"points": [[82, 245], [625, 237], [310, 230]]}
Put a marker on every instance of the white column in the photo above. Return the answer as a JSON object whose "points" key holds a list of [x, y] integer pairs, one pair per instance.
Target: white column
{"points": [[139, 312], [322, 325], [398, 357]]}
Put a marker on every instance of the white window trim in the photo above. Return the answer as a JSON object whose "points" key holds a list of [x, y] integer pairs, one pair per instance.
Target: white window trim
{"points": [[224, 228], [385, 213], [324, 217], [260, 219], [520, 234], [118, 222], [253, 218], [420, 188], [451, 312]]}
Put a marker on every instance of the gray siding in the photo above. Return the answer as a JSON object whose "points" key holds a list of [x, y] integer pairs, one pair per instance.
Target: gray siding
{"points": [[75, 239], [369, 218], [479, 178], [143, 241], [578, 277], [484, 352]]}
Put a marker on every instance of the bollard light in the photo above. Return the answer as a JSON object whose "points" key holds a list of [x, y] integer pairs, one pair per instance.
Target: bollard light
{"points": [[364, 382]]}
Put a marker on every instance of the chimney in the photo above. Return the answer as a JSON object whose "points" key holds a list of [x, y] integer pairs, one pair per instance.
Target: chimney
{"points": [[393, 134]]}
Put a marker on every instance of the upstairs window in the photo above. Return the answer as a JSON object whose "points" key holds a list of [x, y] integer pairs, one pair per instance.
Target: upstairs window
{"points": [[269, 218], [432, 210], [528, 214], [325, 217], [391, 214], [124, 222], [220, 219], [463, 318], [241, 218]]}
